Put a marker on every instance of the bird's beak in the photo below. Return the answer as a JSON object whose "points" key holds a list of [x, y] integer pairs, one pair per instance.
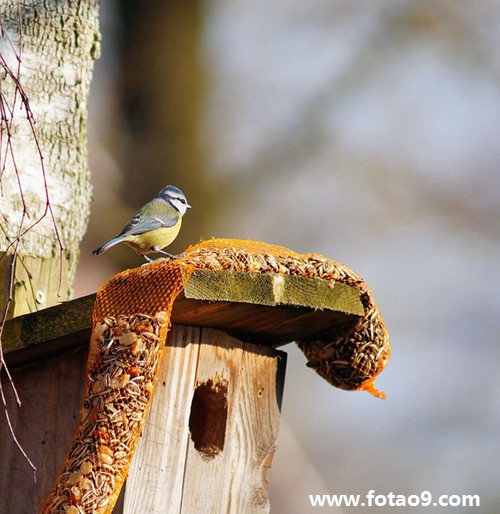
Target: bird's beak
{"points": [[188, 206]]}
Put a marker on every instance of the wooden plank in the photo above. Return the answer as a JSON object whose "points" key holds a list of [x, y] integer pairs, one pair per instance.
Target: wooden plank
{"points": [[270, 325], [40, 334], [51, 394], [155, 479], [169, 474], [236, 478], [273, 289]]}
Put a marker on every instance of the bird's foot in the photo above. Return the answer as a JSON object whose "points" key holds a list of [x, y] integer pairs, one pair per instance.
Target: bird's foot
{"points": [[169, 255], [162, 252], [148, 260]]}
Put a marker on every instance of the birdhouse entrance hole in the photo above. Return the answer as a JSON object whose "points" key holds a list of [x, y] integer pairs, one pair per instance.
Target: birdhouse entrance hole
{"points": [[207, 421]]}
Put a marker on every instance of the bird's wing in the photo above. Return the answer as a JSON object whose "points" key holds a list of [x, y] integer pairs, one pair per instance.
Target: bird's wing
{"points": [[140, 224]]}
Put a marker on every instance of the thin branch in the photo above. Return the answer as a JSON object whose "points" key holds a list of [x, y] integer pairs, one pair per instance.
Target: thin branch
{"points": [[7, 154]]}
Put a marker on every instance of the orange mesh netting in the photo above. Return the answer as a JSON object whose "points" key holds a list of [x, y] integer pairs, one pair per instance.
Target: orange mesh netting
{"points": [[130, 324]]}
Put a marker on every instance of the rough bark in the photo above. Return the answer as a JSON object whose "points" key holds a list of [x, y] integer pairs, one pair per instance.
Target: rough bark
{"points": [[49, 47]]}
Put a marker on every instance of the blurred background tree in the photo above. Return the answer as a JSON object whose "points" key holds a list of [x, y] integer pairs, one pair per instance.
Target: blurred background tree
{"points": [[161, 102], [366, 132]]}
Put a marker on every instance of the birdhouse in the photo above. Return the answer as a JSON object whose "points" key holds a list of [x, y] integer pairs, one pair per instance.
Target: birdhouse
{"points": [[174, 405]]}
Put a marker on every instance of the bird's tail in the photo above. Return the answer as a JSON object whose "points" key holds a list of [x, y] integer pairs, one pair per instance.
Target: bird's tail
{"points": [[109, 244]]}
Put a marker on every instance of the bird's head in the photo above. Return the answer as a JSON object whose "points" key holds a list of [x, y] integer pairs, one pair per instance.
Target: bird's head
{"points": [[175, 197]]}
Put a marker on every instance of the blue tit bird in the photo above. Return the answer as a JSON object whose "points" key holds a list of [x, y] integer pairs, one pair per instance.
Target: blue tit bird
{"points": [[154, 226]]}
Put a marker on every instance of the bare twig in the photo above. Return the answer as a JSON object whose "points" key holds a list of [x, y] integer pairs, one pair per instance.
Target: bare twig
{"points": [[7, 155], [3, 366]]}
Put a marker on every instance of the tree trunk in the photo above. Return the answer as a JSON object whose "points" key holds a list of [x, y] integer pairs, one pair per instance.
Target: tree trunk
{"points": [[47, 51], [163, 96]]}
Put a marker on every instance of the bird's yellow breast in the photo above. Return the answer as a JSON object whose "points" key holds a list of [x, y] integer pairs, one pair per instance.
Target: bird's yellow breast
{"points": [[159, 238]]}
